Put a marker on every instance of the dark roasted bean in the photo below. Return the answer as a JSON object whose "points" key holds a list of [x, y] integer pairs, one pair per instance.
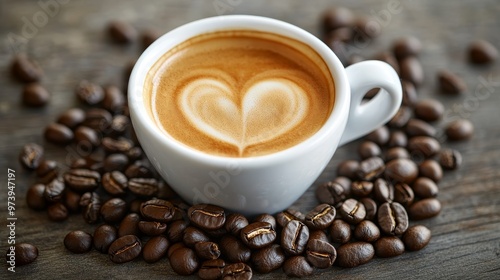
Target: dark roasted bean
{"points": [[121, 32], [89, 93], [318, 234], [370, 207], [25, 253], [424, 209], [152, 228], [320, 254], [294, 237], [113, 210], [121, 145], [235, 222], [114, 183], [258, 234], [98, 119], [389, 246], [345, 183], [416, 237], [31, 155], [237, 271], [411, 70], [78, 242], [104, 235], [119, 125], [47, 171], [234, 250], [431, 169], [211, 269], [268, 259], [352, 211], [450, 83], [87, 137], [482, 52], [207, 250], [114, 100], [397, 139], [369, 149], [82, 180], [366, 231], [406, 46], [409, 94], [54, 191], [193, 235], [425, 188], [115, 162], [288, 215], [35, 197], [35, 95], [158, 210], [401, 170], [392, 218], [321, 217], [72, 117], [340, 232], [354, 254], [401, 118], [57, 212], [268, 218], [155, 248], [379, 136], [331, 193], [337, 17], [395, 153], [145, 187], [429, 110], [370, 168], [175, 230], [206, 216], [458, 130], [403, 194], [129, 225], [72, 200], [91, 205], [297, 266], [26, 70], [450, 159], [423, 146], [361, 188], [416, 127], [125, 249], [383, 191], [348, 168]]}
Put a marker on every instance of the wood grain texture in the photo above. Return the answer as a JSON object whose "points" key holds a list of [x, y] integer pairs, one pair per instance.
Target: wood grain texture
{"points": [[71, 45]]}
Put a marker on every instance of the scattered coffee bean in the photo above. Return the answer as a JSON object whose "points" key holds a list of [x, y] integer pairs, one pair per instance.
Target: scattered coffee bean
{"points": [[72, 117], [379, 136], [370, 207], [297, 266], [425, 209], [396, 153], [352, 211], [194, 235], [337, 17], [237, 271], [450, 83], [47, 171], [207, 250], [392, 218], [389, 246], [294, 237], [416, 237], [320, 254], [87, 137], [145, 187], [458, 130], [407, 46], [58, 134], [369, 149], [289, 215], [115, 162], [25, 253], [429, 110], [54, 191], [211, 269], [125, 249], [401, 118], [78, 242], [89, 93], [268, 259], [416, 127], [331, 193], [340, 232], [121, 32], [113, 210], [98, 119], [403, 194], [364, 28], [354, 254], [234, 223], [158, 210], [411, 70], [423, 146], [31, 155], [345, 183], [104, 235], [431, 169], [361, 188], [152, 228], [397, 139], [113, 100], [57, 212], [26, 70], [174, 247], [233, 250], [91, 203], [35, 95], [370, 168], [383, 191], [321, 217], [119, 126], [450, 159], [268, 218], [129, 225], [155, 248], [367, 231], [207, 216], [175, 230], [35, 197], [425, 188], [82, 180], [409, 94], [115, 183], [72, 200], [258, 235], [318, 234], [348, 168], [120, 145], [482, 52]]}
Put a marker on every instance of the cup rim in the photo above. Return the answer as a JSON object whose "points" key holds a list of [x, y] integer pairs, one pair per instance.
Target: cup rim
{"points": [[140, 116]]}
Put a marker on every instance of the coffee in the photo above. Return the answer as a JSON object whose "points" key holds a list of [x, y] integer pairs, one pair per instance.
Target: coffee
{"points": [[240, 93]]}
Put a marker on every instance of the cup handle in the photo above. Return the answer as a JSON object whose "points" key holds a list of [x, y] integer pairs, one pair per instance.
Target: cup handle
{"points": [[367, 116]]}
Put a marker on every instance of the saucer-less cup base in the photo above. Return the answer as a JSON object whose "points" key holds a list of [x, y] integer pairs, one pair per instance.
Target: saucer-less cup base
{"points": [[268, 183]]}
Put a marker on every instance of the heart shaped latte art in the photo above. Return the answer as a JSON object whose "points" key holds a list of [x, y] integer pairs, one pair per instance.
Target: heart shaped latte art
{"points": [[267, 109]]}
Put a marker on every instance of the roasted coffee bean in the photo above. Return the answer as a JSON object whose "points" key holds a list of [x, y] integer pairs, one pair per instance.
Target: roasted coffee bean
{"points": [[54, 191], [98, 119], [211, 269], [135, 205], [340, 232], [26, 70], [91, 203], [392, 218], [234, 223], [383, 191], [389, 246], [345, 183], [318, 234], [152, 228], [31, 155], [401, 118], [423, 146], [348, 168], [401, 170], [138, 170], [450, 159], [155, 248], [158, 210], [134, 153], [395, 153], [174, 247], [409, 94], [89, 93], [366, 231], [206, 216], [113, 210], [234, 250], [145, 187], [411, 70], [82, 180], [72, 117], [370, 207], [354, 254], [115, 162], [121, 32], [407, 46], [129, 225], [431, 169], [416, 127], [331, 193], [297, 266], [417, 237], [370, 168], [425, 188], [352, 211], [288, 215], [119, 125], [121, 145], [482, 52], [337, 17], [207, 250], [87, 137], [175, 230], [125, 249], [450, 83], [193, 235], [320, 254], [72, 200], [369, 149], [268, 259], [268, 218], [379, 136], [237, 271], [35, 95], [429, 110], [361, 188], [115, 183], [424, 209], [25, 253], [458, 130], [258, 234], [78, 242], [35, 197], [47, 171], [114, 100], [397, 139], [58, 134], [294, 237], [104, 235], [363, 28], [57, 212], [389, 58], [403, 194], [321, 217]]}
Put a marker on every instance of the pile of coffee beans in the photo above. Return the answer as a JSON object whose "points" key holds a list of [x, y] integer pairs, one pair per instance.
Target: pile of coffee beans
{"points": [[366, 211]]}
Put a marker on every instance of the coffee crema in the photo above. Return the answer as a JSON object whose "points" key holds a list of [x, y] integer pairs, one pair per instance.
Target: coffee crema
{"points": [[240, 93]]}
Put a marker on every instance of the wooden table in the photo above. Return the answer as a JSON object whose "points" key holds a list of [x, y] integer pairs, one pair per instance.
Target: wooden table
{"points": [[71, 45]]}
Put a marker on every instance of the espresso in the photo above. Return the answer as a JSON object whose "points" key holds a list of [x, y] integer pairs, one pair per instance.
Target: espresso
{"points": [[240, 93]]}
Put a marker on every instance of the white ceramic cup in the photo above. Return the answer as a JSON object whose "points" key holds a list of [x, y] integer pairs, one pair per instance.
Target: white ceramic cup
{"points": [[268, 183]]}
